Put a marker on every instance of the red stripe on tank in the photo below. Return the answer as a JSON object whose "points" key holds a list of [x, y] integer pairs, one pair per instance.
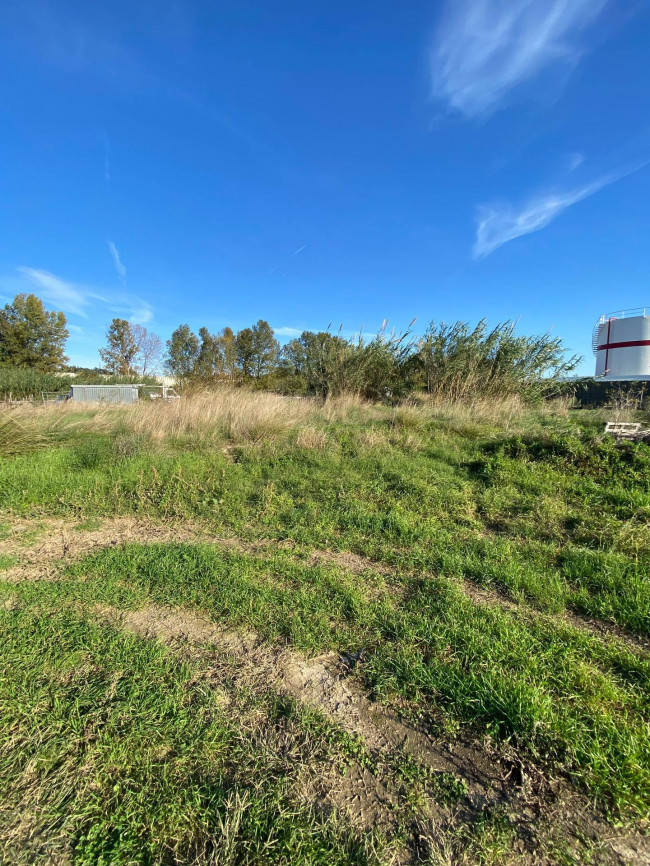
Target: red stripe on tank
{"points": [[627, 345]]}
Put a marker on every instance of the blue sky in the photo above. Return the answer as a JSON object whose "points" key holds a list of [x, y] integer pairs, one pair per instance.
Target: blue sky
{"points": [[325, 163]]}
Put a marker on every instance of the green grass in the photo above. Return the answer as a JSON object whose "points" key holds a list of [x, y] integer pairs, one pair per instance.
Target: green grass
{"points": [[115, 752], [7, 561], [541, 508], [559, 519], [564, 697]]}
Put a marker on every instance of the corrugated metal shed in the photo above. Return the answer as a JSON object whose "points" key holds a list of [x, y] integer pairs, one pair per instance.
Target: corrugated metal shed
{"points": [[104, 393]]}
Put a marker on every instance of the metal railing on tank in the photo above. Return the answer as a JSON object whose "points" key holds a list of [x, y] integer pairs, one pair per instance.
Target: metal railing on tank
{"points": [[609, 317], [624, 314]]}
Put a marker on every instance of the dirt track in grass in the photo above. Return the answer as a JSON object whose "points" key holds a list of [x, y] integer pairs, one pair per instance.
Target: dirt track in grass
{"points": [[494, 778], [56, 541]]}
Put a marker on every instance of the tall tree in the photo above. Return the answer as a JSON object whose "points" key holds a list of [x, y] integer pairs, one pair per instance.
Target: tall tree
{"points": [[31, 336], [265, 348], [149, 349], [293, 356], [121, 350], [182, 352], [322, 360], [210, 361], [228, 345], [244, 342]]}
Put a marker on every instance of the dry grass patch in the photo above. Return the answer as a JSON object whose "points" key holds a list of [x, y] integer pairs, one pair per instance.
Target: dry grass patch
{"points": [[236, 414], [374, 439], [342, 407], [310, 437]]}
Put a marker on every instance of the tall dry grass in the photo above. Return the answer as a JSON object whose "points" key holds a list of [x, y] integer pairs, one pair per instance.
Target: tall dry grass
{"points": [[26, 427], [241, 416], [17, 437], [347, 405], [494, 410], [234, 414]]}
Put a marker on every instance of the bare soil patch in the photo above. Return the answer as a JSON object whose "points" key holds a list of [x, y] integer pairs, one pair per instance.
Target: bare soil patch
{"points": [[59, 541], [352, 562]]}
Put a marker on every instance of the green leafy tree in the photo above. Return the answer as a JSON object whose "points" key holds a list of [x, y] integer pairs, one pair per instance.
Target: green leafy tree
{"points": [[210, 359], [266, 349], [322, 361], [245, 345], [121, 350], [293, 356], [257, 350], [182, 352], [328, 364], [228, 346], [31, 336]]}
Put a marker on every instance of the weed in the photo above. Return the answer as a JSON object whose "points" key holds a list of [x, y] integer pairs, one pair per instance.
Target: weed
{"points": [[90, 453]]}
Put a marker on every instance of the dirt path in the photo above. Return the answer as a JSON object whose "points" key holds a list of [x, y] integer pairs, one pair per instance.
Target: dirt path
{"points": [[323, 683], [57, 541], [369, 799], [494, 778]]}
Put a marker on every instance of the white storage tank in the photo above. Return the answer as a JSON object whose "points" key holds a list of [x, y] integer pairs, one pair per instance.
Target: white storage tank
{"points": [[621, 343]]}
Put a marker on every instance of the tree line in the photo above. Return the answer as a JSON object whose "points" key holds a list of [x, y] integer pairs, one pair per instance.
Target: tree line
{"points": [[457, 361]]}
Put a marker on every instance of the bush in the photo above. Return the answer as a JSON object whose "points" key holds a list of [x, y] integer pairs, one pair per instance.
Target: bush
{"points": [[463, 363], [21, 383]]}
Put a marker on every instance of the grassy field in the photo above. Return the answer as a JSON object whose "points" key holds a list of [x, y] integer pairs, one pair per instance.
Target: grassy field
{"points": [[243, 629]]}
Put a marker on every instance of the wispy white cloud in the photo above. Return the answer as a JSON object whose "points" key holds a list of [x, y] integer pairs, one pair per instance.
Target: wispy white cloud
{"points": [[66, 296], [500, 223], [74, 298], [288, 332], [299, 250], [141, 315], [483, 49], [119, 267], [575, 159]]}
